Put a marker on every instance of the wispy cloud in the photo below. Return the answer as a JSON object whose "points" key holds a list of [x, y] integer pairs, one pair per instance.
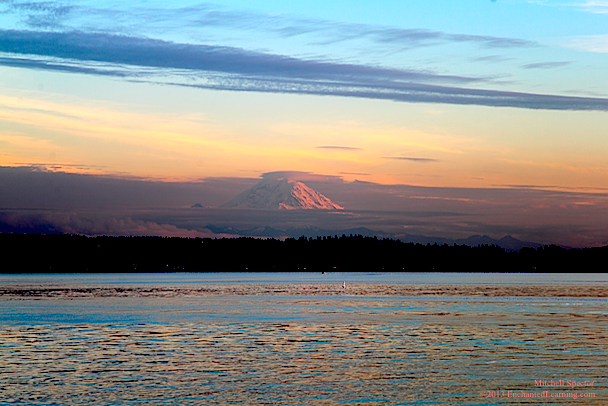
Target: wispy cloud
{"points": [[545, 65], [339, 148], [588, 6], [589, 43], [354, 173], [553, 187], [412, 159], [41, 14], [53, 167], [492, 58], [594, 6], [302, 176], [203, 18], [405, 38]]}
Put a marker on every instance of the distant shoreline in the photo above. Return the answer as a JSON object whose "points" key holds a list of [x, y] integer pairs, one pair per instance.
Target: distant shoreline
{"points": [[478, 291]]}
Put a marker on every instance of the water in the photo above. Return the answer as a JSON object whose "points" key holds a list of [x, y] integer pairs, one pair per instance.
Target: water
{"points": [[100, 341]]}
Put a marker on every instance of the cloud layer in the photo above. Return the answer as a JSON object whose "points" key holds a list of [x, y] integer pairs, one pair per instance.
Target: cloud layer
{"points": [[226, 68], [47, 222], [98, 205]]}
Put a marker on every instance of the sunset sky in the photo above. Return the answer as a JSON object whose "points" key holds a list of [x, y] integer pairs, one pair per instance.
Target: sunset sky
{"points": [[496, 111]]}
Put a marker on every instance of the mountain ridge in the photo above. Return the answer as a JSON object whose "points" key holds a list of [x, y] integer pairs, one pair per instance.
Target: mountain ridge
{"points": [[507, 242]]}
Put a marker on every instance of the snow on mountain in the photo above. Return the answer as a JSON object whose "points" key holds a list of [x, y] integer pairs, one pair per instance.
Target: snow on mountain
{"points": [[281, 194]]}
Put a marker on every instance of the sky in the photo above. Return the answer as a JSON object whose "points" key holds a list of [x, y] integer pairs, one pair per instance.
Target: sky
{"points": [[492, 116]]}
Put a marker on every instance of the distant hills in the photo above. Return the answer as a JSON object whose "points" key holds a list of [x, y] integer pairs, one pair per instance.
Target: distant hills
{"points": [[281, 194], [508, 243]]}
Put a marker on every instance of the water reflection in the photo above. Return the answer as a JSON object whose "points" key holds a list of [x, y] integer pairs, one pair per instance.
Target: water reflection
{"points": [[325, 351]]}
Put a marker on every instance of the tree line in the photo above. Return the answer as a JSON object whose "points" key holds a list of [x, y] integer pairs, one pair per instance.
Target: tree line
{"points": [[33, 253]]}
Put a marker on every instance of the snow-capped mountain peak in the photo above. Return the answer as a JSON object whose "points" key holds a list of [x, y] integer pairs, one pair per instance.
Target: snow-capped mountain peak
{"points": [[282, 194]]}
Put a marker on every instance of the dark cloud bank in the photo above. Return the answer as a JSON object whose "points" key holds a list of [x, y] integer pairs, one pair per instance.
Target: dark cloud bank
{"points": [[225, 68], [33, 200]]}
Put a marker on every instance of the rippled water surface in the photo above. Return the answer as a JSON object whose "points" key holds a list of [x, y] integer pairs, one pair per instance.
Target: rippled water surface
{"points": [[183, 349]]}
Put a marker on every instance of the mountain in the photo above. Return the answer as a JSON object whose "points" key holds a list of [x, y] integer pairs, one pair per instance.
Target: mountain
{"points": [[508, 243], [281, 194]]}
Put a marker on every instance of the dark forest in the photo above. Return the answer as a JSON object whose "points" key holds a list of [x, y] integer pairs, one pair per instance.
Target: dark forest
{"points": [[34, 253]]}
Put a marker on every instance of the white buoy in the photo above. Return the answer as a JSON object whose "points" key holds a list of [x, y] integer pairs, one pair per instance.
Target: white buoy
{"points": [[344, 285]]}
